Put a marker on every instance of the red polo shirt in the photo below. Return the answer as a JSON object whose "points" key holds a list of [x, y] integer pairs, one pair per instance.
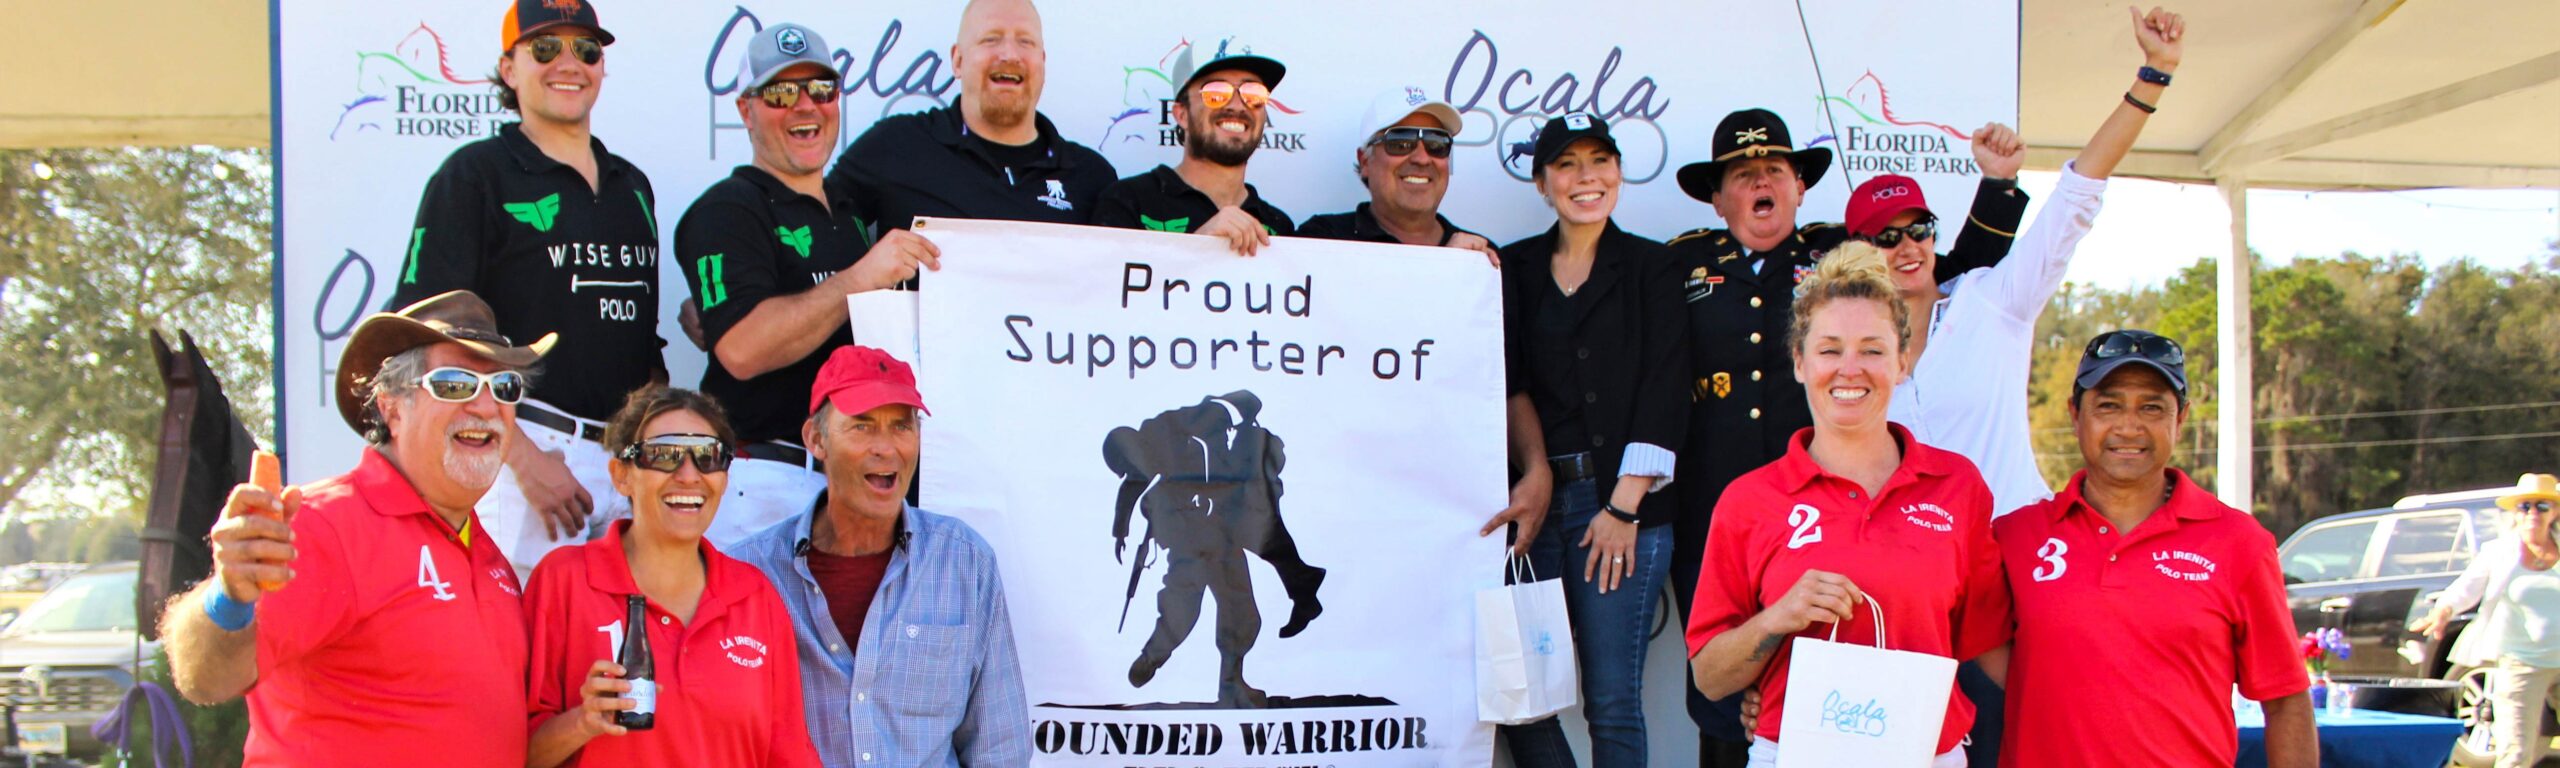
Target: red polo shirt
{"points": [[2126, 637], [1923, 549], [396, 644], [728, 681]]}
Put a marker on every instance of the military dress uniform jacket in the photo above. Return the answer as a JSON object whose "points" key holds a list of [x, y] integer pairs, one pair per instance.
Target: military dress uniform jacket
{"points": [[1747, 402]]}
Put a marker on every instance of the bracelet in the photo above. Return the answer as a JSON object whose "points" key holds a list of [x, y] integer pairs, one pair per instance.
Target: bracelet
{"points": [[1622, 515], [1999, 185], [2152, 76], [2137, 103], [231, 615]]}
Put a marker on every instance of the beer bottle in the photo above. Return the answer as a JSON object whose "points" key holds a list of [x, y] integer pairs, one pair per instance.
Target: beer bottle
{"points": [[638, 669]]}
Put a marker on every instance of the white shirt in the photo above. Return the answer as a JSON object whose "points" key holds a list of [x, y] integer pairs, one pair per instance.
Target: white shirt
{"points": [[1969, 392]]}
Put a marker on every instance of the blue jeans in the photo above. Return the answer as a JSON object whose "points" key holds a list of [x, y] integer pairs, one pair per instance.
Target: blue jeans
{"points": [[1609, 631]]}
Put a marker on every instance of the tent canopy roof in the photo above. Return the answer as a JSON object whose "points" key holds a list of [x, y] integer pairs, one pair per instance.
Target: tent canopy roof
{"points": [[2320, 94]]}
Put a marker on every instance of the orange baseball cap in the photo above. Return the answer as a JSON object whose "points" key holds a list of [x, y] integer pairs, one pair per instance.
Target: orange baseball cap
{"points": [[525, 17]]}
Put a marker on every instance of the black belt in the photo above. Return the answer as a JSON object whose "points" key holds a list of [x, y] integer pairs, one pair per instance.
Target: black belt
{"points": [[559, 422], [786, 454], [1572, 467]]}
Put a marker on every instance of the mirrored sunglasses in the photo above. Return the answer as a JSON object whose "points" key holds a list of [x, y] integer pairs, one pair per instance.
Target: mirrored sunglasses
{"points": [[782, 94], [1892, 236], [548, 47], [2534, 506], [668, 453], [2115, 344], [461, 385], [1399, 142], [1216, 95]]}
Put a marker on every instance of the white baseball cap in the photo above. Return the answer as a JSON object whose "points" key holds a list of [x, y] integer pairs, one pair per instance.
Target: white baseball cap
{"points": [[1395, 104]]}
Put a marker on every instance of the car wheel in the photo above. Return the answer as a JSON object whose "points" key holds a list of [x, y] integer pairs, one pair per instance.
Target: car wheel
{"points": [[2472, 705]]}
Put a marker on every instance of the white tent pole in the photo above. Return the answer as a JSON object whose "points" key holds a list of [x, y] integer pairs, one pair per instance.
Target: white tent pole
{"points": [[2235, 456]]}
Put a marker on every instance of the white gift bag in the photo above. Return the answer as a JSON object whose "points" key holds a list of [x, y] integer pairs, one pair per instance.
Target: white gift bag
{"points": [[1524, 650], [1851, 704]]}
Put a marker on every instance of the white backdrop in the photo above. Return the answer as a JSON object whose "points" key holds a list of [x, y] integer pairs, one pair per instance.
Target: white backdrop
{"points": [[1392, 460], [371, 96]]}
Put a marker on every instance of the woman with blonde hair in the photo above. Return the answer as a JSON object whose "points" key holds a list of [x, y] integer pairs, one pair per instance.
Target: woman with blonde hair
{"points": [[1856, 511]]}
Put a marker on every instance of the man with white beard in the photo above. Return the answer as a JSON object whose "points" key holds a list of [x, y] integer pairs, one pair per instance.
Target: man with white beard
{"points": [[1221, 110], [356, 663]]}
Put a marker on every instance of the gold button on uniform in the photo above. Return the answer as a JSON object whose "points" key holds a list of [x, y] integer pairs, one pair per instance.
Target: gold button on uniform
{"points": [[1755, 302], [1755, 413], [1755, 375], [1755, 337]]}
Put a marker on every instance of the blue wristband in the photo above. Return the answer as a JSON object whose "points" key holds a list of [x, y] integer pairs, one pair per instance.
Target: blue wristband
{"points": [[231, 615]]}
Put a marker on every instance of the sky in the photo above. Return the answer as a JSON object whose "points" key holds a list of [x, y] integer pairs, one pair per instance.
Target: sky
{"points": [[2151, 229]]}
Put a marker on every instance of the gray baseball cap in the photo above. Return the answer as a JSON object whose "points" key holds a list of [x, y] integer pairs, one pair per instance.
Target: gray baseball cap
{"points": [[777, 48]]}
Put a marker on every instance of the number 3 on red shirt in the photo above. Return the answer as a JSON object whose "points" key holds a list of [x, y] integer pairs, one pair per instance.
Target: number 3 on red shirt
{"points": [[1803, 517]]}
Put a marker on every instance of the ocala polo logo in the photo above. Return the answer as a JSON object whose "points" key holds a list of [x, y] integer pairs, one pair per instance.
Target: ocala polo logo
{"points": [[414, 90], [1876, 139], [744, 651], [2182, 565], [1149, 90]]}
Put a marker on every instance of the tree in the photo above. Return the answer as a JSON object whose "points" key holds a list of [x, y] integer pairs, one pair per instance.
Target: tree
{"points": [[98, 247]]}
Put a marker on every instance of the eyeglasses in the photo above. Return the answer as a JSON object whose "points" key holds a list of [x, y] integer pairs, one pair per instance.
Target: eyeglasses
{"points": [[1215, 95], [782, 94], [2115, 344], [2536, 506], [548, 47], [462, 385], [1398, 142], [1892, 236], [668, 453]]}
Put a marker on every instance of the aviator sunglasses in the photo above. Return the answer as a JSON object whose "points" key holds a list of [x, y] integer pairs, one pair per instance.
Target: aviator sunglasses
{"points": [[782, 94], [1215, 95], [1399, 142], [2147, 346], [461, 385], [548, 47], [2534, 506], [668, 453], [1892, 236]]}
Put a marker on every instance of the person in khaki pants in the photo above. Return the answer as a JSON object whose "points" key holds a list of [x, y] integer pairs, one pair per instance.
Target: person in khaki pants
{"points": [[2519, 625]]}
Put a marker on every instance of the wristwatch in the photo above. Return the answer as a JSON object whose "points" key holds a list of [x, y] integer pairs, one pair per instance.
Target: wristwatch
{"points": [[1622, 515], [2152, 76]]}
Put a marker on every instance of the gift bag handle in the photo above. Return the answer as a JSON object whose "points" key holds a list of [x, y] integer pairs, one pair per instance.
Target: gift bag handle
{"points": [[1520, 564], [1873, 608]]}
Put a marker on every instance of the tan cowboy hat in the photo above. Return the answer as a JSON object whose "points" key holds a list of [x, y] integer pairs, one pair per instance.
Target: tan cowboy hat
{"points": [[456, 316], [2532, 486]]}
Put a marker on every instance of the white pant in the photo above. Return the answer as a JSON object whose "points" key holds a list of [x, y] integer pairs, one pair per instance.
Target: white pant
{"points": [[1764, 754], [762, 493], [2522, 691], [507, 518]]}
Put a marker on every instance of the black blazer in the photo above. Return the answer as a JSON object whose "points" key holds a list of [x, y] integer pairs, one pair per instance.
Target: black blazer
{"points": [[1632, 343]]}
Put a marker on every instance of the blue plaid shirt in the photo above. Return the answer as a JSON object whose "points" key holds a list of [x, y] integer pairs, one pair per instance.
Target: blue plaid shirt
{"points": [[937, 683]]}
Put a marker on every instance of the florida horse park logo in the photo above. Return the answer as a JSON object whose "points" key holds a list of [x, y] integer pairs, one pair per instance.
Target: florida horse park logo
{"points": [[1875, 139], [412, 90], [1151, 89]]}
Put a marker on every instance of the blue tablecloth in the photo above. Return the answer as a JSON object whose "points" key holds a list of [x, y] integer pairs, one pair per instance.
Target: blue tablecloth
{"points": [[2363, 739]]}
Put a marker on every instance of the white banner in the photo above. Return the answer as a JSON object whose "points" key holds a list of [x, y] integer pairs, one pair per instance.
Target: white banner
{"points": [[371, 96], [1300, 446]]}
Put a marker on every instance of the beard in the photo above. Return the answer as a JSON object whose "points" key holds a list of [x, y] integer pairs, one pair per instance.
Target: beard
{"points": [[478, 469], [1203, 141]]}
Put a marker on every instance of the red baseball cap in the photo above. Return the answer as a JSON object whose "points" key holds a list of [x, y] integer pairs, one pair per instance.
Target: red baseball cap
{"points": [[858, 378], [1876, 202]]}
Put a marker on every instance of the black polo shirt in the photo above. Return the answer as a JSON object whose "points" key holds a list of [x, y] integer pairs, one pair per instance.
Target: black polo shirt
{"points": [[550, 255], [929, 164], [747, 239], [1160, 200], [1361, 224]]}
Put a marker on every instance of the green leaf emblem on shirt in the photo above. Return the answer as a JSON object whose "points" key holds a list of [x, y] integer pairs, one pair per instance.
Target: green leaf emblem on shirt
{"points": [[798, 239], [1168, 225], [539, 213]]}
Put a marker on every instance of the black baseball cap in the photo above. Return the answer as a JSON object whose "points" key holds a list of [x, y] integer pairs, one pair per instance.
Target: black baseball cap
{"points": [[525, 17], [1562, 131], [1265, 67], [2117, 349]]}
